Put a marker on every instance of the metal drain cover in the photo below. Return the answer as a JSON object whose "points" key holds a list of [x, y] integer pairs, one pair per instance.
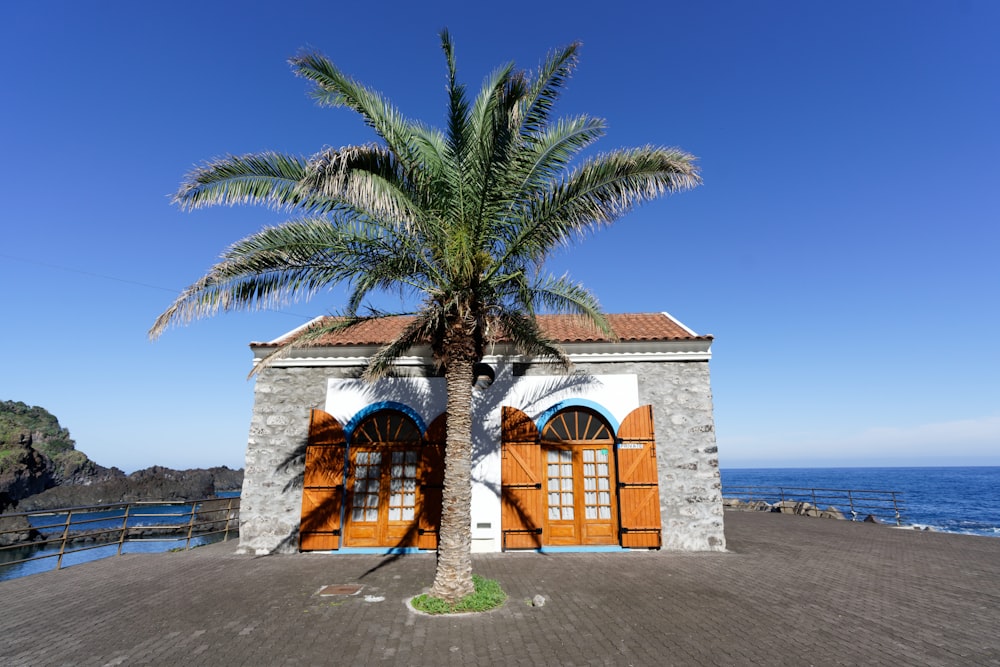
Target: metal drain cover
{"points": [[341, 589]]}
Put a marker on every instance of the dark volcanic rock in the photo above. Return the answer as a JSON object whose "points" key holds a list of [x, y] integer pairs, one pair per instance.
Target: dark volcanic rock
{"points": [[16, 530], [155, 483], [23, 472], [227, 479]]}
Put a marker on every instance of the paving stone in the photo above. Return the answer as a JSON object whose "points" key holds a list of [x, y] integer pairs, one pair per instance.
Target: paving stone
{"points": [[790, 591]]}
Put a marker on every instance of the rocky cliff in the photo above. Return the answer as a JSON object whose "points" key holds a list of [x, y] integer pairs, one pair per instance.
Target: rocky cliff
{"points": [[40, 468]]}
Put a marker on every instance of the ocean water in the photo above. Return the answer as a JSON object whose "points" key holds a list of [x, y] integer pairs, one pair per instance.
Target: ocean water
{"points": [[948, 499], [80, 557]]}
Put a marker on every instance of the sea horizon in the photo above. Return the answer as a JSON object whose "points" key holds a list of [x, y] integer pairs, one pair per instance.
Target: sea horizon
{"points": [[952, 499], [825, 466]]}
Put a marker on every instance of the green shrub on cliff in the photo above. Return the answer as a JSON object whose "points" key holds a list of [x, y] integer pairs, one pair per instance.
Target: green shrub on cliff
{"points": [[36, 453], [7, 456], [19, 419]]}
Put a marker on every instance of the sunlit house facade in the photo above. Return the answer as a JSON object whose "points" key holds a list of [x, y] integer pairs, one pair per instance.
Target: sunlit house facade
{"points": [[618, 453]]}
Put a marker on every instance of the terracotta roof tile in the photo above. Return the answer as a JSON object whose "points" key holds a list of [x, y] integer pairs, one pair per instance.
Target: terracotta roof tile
{"points": [[562, 328], [627, 326]]}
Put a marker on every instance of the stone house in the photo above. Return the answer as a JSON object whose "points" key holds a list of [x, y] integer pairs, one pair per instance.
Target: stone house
{"points": [[618, 453]]}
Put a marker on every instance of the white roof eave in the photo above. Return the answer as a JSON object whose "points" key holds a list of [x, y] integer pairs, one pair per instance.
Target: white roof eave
{"points": [[589, 352]]}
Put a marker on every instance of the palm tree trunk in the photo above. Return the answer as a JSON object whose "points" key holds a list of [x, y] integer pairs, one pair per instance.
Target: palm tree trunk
{"points": [[453, 578]]}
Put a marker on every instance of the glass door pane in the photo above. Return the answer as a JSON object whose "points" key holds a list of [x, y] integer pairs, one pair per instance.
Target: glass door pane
{"points": [[560, 484], [403, 485], [596, 484], [367, 471]]}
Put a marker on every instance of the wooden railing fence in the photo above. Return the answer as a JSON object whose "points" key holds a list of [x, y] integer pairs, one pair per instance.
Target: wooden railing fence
{"points": [[78, 529], [853, 504]]}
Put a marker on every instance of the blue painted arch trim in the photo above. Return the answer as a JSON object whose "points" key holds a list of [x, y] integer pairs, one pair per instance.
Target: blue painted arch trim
{"points": [[368, 410], [544, 418]]}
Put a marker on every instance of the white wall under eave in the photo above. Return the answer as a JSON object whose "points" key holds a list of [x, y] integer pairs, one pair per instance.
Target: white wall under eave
{"points": [[345, 398]]}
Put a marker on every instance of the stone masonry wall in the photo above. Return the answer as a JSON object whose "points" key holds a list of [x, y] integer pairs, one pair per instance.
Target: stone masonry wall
{"points": [[271, 502]]}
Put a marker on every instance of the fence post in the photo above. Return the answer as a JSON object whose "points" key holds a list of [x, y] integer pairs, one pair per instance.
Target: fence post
{"points": [[229, 513], [65, 536], [895, 509], [124, 529], [187, 544]]}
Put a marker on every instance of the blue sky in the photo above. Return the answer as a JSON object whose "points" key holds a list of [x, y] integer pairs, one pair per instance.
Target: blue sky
{"points": [[843, 249]]}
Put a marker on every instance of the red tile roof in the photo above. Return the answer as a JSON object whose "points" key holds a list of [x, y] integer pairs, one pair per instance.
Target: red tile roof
{"points": [[561, 328], [627, 326]]}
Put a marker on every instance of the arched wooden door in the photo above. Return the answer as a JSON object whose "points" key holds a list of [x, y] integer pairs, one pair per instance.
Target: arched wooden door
{"points": [[578, 452], [383, 462], [577, 483]]}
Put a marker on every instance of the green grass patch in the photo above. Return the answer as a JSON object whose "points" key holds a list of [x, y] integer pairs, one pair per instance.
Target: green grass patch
{"points": [[487, 595], [4, 455]]}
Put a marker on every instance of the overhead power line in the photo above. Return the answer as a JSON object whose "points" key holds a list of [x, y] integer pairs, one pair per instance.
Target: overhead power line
{"points": [[127, 281]]}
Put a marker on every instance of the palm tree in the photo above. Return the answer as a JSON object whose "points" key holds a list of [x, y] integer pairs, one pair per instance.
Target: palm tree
{"points": [[457, 221]]}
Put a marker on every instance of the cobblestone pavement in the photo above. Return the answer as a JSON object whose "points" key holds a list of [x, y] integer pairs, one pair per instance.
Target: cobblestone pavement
{"points": [[790, 591]]}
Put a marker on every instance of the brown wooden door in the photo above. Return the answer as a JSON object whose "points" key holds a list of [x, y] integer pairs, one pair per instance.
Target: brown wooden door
{"points": [[639, 493], [579, 479], [382, 505], [385, 456], [521, 474], [322, 484]]}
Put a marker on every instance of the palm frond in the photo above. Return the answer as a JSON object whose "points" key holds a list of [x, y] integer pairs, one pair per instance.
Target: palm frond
{"points": [[267, 178], [552, 151], [608, 186], [396, 271], [562, 295], [367, 179], [598, 193], [545, 158], [336, 89], [278, 265], [458, 105], [424, 327], [545, 89], [526, 337]]}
